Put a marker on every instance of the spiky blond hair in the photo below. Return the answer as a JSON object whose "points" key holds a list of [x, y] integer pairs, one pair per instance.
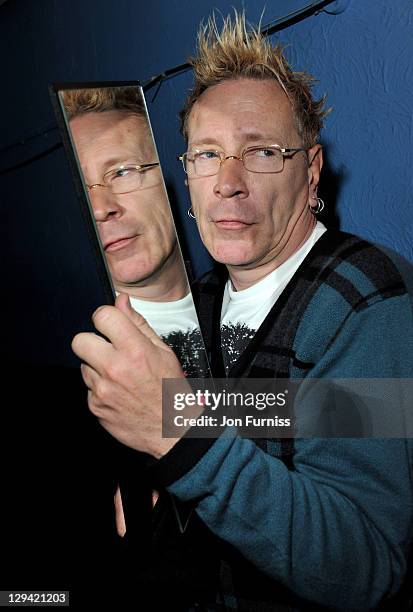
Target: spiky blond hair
{"points": [[101, 99], [241, 51]]}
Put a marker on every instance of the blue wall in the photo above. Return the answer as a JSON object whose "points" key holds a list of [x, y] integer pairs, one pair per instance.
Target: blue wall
{"points": [[360, 52]]}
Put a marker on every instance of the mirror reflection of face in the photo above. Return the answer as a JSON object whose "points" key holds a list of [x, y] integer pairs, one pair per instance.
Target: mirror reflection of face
{"points": [[136, 228]]}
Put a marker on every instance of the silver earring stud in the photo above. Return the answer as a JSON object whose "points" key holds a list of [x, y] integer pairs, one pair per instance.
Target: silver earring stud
{"points": [[190, 213]]}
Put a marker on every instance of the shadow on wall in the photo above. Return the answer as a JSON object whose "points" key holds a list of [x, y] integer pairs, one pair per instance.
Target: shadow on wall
{"points": [[196, 257], [332, 182]]}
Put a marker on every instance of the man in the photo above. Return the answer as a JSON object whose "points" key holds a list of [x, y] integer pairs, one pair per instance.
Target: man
{"points": [[117, 155], [320, 522]]}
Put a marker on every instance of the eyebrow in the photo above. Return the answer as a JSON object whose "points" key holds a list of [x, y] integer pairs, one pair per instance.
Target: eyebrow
{"points": [[113, 161], [202, 142], [248, 137], [120, 160]]}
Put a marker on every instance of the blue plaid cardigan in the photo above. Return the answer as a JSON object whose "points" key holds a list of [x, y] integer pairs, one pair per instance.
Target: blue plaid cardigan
{"points": [[310, 523]]}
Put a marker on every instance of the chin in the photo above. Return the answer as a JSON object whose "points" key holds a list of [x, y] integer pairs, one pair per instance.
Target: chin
{"points": [[232, 256], [134, 276]]}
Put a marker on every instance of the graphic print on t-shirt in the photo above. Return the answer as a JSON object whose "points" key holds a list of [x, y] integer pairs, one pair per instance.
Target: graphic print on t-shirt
{"points": [[234, 339], [188, 346]]}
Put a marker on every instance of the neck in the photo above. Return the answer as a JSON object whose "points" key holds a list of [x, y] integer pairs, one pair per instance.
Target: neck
{"points": [[166, 285], [245, 277]]}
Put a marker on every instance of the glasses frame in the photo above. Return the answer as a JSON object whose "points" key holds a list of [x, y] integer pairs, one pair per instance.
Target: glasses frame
{"points": [[139, 167], [285, 152]]}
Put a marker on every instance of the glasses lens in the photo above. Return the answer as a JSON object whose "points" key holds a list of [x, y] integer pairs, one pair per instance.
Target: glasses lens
{"points": [[202, 163], [265, 159], [131, 178], [124, 179]]}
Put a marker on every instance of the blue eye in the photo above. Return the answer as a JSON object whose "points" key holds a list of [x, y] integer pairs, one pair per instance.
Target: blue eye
{"points": [[120, 173], [206, 155], [264, 152]]}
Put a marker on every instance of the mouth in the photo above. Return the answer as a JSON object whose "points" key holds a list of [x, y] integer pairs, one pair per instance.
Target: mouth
{"points": [[231, 224], [118, 244]]}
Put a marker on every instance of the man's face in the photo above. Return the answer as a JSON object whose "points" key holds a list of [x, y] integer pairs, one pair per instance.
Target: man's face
{"points": [[248, 220], [136, 228]]}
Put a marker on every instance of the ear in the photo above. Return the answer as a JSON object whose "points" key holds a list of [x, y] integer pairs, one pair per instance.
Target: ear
{"points": [[315, 163]]}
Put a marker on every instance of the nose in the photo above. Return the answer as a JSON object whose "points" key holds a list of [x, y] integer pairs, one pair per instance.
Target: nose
{"points": [[231, 179], [104, 203]]}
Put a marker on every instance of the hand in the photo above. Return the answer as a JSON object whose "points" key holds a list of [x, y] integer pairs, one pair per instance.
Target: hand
{"points": [[124, 376]]}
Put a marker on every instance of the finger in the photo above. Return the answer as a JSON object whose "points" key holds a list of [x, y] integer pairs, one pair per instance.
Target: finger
{"points": [[125, 332], [97, 397], [119, 329], [89, 375], [123, 303], [93, 350], [120, 517]]}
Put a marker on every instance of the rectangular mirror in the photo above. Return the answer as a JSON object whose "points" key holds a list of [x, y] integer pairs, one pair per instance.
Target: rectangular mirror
{"points": [[108, 137]]}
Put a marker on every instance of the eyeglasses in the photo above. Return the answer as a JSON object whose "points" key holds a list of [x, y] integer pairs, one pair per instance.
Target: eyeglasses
{"points": [[127, 178], [263, 160]]}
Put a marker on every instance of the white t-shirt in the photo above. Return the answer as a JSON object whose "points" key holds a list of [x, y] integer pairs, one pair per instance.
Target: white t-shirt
{"points": [[243, 311], [164, 317], [177, 324]]}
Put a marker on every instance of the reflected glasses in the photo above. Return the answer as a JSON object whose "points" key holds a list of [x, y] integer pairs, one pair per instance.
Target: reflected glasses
{"points": [[263, 160], [127, 178]]}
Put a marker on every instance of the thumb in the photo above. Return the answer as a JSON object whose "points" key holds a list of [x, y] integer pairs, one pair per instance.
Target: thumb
{"points": [[123, 303]]}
